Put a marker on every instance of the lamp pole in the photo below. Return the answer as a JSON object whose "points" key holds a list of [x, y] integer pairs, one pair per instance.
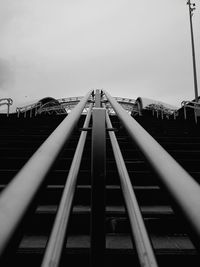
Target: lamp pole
{"points": [[191, 7]]}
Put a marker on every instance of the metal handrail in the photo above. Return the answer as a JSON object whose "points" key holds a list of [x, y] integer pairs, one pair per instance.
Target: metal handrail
{"points": [[125, 100], [163, 110], [30, 108], [184, 190], [142, 242], [8, 102], [186, 102], [190, 104], [18, 195], [70, 99], [27, 107], [57, 237]]}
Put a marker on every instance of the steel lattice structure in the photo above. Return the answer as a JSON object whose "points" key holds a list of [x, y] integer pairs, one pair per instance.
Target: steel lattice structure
{"points": [[65, 105]]}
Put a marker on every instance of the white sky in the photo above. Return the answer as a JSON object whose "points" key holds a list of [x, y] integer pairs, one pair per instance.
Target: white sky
{"points": [[63, 48]]}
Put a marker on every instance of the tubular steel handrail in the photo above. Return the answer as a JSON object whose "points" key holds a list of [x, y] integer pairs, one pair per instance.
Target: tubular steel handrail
{"points": [[159, 108], [193, 105], [8, 102], [143, 245], [184, 190], [27, 108], [57, 237], [18, 195]]}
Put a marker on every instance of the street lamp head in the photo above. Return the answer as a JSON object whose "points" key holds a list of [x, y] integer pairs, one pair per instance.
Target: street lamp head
{"points": [[191, 4], [192, 7]]}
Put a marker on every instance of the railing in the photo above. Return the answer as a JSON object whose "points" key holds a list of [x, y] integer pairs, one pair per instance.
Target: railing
{"points": [[125, 100], [19, 194], [65, 105], [17, 197], [38, 108], [136, 110], [162, 111], [128, 104], [184, 190], [192, 105], [8, 102], [70, 99], [62, 108], [56, 241], [58, 109], [139, 232], [32, 108]]}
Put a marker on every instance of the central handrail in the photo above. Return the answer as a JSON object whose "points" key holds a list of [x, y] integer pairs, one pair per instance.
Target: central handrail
{"points": [[18, 195], [184, 190], [142, 242], [55, 244]]}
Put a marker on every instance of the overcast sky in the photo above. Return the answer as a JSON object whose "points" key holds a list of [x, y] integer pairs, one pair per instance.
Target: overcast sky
{"points": [[131, 48]]}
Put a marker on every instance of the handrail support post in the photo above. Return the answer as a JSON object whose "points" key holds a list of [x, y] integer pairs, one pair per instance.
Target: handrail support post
{"points": [[98, 174]]}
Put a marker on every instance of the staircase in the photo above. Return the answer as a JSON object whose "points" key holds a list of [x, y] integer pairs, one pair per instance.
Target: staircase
{"points": [[21, 137]]}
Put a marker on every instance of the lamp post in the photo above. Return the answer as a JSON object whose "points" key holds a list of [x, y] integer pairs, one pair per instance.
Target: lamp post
{"points": [[191, 7]]}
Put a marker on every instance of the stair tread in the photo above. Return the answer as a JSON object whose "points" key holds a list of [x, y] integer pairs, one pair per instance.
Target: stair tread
{"points": [[166, 210], [113, 241], [167, 234]]}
